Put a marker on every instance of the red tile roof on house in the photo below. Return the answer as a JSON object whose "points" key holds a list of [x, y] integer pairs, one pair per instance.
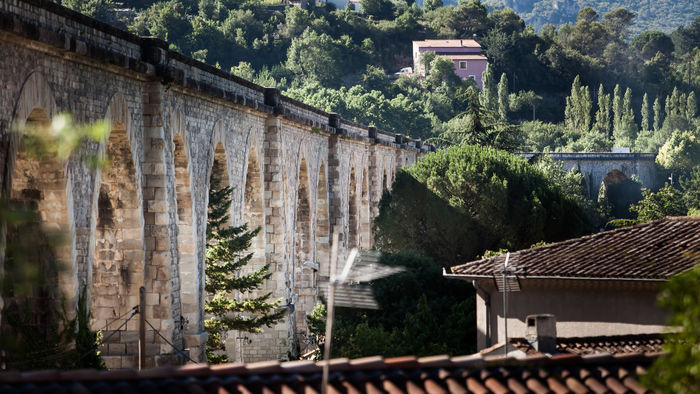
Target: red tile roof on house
{"points": [[437, 374], [614, 344], [448, 43], [651, 251]]}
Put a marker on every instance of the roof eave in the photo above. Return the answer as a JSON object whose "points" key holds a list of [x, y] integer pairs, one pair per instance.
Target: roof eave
{"points": [[470, 277]]}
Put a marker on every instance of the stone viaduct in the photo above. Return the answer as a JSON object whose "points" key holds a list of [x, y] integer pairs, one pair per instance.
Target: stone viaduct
{"points": [[300, 173], [601, 166]]}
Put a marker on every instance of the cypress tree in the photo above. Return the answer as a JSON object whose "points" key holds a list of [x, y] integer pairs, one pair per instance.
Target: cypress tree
{"points": [[226, 256], [488, 95], [503, 101], [692, 106], [571, 111], [602, 117], [617, 107], [627, 104], [585, 105], [674, 102], [668, 106], [658, 115], [646, 121]]}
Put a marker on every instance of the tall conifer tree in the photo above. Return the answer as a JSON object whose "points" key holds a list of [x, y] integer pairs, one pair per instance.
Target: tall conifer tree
{"points": [[488, 97], [617, 107], [692, 106], [226, 257], [646, 115], [658, 114], [503, 101], [602, 117]]}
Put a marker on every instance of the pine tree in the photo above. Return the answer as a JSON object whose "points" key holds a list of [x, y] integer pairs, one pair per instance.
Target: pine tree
{"points": [[226, 256], [646, 121], [488, 95], [692, 106], [658, 114], [503, 102], [602, 117]]}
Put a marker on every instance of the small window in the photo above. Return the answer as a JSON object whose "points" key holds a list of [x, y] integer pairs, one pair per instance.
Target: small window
{"points": [[462, 64], [473, 77]]}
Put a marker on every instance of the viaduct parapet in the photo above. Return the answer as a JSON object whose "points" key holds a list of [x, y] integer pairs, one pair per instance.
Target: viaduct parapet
{"points": [[298, 172], [595, 167]]}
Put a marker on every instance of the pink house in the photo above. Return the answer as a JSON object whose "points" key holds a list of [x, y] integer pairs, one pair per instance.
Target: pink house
{"points": [[466, 54]]}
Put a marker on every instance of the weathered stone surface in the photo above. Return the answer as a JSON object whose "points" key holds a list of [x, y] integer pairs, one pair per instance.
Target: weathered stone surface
{"points": [[297, 172]]}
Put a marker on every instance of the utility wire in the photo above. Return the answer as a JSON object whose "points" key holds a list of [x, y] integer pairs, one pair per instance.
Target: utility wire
{"points": [[58, 355], [136, 311], [168, 342]]}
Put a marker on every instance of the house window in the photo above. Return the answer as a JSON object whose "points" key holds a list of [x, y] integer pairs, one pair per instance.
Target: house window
{"points": [[462, 64], [473, 77]]}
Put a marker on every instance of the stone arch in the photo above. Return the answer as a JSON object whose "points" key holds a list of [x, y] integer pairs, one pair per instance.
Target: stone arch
{"points": [[363, 216], [187, 261], [304, 286], [118, 262], [219, 167], [352, 212], [253, 208], [614, 176], [35, 94], [38, 185], [322, 235]]}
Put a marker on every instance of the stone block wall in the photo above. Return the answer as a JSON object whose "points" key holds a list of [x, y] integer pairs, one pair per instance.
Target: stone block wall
{"points": [[297, 172]]}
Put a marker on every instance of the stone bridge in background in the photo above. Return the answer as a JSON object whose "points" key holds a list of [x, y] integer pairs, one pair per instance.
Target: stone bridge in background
{"points": [[599, 167], [298, 172]]}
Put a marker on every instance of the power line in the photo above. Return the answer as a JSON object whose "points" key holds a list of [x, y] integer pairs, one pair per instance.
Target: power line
{"points": [[171, 345], [136, 311]]}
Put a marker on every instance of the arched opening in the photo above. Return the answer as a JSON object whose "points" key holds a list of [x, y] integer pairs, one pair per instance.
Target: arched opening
{"points": [[37, 269], [186, 242], [118, 268], [384, 181], [304, 276], [253, 213], [352, 212], [618, 192], [219, 168], [365, 239], [322, 225]]}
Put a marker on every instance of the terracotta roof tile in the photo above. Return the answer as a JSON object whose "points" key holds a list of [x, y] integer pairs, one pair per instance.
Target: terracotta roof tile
{"points": [[438, 374], [650, 251], [615, 344]]}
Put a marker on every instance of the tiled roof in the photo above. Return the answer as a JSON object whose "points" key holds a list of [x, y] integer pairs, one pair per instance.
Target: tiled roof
{"points": [[645, 343], [650, 251], [437, 374], [448, 43]]}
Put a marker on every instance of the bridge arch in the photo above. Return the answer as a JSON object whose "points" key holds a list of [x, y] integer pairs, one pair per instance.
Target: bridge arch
{"points": [[352, 211], [186, 245], [322, 235], [38, 185], [118, 261]]}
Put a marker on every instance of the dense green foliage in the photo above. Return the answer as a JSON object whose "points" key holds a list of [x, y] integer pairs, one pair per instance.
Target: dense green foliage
{"points": [[523, 206], [678, 371], [421, 314], [342, 61], [229, 304], [664, 15]]}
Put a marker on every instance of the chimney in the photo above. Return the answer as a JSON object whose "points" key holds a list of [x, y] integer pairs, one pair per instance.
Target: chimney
{"points": [[541, 332]]}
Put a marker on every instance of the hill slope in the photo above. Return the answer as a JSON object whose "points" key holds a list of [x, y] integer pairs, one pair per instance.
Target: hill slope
{"points": [[662, 15]]}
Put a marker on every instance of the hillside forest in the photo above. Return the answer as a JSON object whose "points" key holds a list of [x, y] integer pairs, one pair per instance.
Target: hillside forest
{"points": [[587, 84]]}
